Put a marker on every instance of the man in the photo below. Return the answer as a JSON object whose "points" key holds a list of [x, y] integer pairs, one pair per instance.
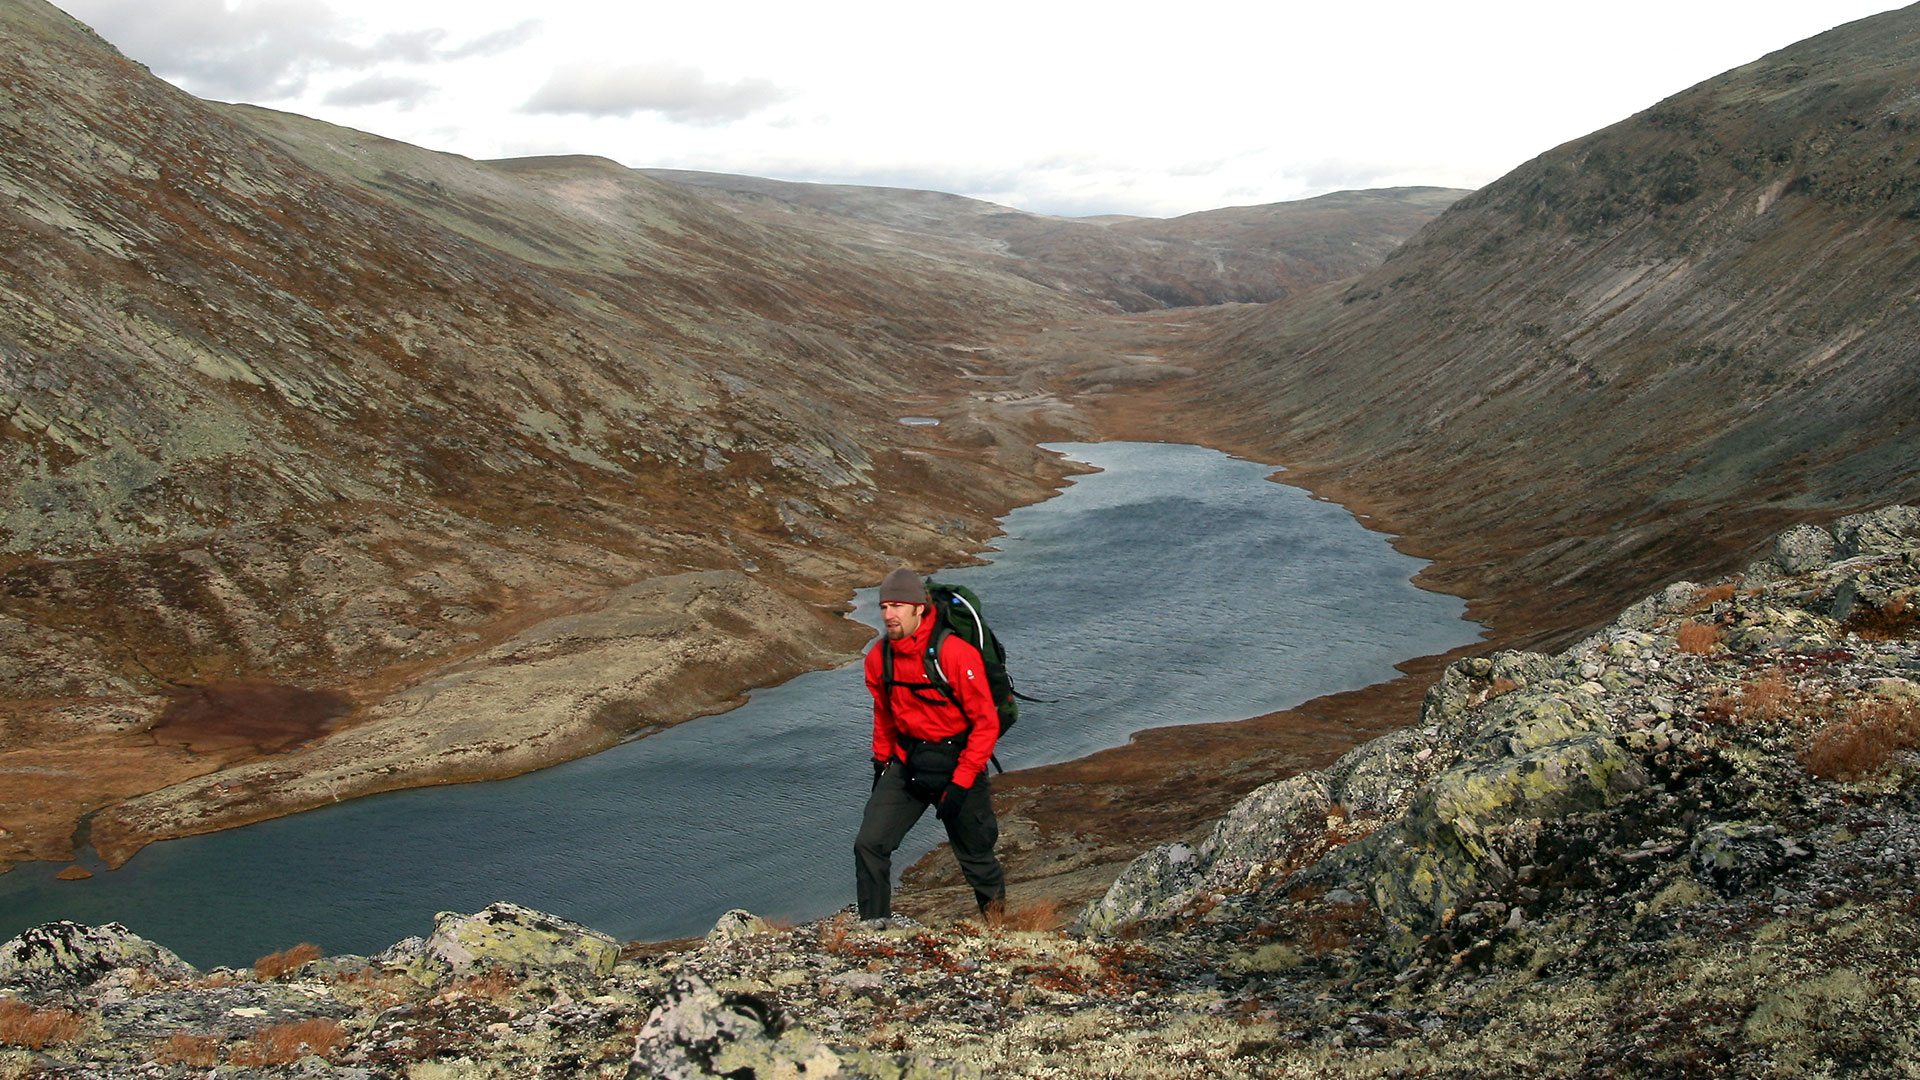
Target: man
{"points": [[930, 748]]}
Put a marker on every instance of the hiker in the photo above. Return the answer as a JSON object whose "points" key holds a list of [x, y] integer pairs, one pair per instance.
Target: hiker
{"points": [[930, 748]]}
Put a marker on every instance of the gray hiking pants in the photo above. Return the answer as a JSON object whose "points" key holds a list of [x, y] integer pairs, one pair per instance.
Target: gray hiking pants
{"points": [[892, 810]]}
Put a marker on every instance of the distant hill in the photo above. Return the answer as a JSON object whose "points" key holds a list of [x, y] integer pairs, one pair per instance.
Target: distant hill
{"points": [[1634, 356], [1242, 254]]}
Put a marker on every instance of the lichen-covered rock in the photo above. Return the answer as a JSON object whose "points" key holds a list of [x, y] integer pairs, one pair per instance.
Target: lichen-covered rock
{"points": [[1521, 722], [1438, 855], [517, 938], [62, 956], [1156, 880], [1267, 828], [1889, 530], [1377, 779], [1803, 548], [736, 924], [1735, 856], [699, 1032]]}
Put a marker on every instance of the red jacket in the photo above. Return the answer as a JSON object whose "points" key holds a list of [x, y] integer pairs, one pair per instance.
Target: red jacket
{"points": [[932, 716]]}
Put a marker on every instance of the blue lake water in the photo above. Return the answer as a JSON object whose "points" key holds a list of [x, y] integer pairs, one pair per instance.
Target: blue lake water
{"points": [[1176, 586]]}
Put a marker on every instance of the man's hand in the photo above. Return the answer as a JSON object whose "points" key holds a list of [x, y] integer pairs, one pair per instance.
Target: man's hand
{"points": [[878, 768], [950, 801]]}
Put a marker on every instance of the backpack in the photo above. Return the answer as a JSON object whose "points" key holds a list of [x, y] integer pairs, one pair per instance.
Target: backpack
{"points": [[957, 610]]}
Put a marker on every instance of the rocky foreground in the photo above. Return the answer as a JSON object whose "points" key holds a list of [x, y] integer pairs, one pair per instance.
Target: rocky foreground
{"points": [[1688, 846]]}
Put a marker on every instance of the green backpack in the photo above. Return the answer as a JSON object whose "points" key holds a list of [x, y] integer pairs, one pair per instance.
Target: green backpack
{"points": [[957, 610]]}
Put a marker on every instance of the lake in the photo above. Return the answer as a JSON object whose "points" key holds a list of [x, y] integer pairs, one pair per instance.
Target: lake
{"points": [[1176, 586]]}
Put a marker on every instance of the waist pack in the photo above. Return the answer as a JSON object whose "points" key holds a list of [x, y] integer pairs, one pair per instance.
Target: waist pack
{"points": [[930, 765]]}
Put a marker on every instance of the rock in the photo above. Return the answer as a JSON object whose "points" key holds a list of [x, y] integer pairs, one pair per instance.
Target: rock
{"points": [[1523, 668], [520, 939], [1272, 825], [62, 956], [698, 1032], [1437, 857], [734, 925], [1803, 548], [1378, 777], [1889, 530], [1155, 881], [1734, 856], [1520, 722]]}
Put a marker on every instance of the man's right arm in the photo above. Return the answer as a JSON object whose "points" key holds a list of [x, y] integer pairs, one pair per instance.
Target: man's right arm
{"points": [[885, 747]]}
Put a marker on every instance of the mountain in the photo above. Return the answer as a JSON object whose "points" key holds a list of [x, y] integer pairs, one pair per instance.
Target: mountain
{"points": [[1634, 357], [1242, 254], [330, 464]]}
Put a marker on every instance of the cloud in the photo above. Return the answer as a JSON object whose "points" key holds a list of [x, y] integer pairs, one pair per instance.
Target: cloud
{"points": [[681, 94], [397, 90], [498, 42], [266, 50]]}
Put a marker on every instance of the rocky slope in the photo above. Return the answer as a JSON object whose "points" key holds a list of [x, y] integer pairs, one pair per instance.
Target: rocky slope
{"points": [[1686, 846], [1241, 254], [1639, 354]]}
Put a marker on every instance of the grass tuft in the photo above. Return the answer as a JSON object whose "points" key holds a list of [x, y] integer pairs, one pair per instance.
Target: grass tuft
{"points": [[274, 965], [23, 1025], [1863, 741], [284, 1044], [1698, 638]]}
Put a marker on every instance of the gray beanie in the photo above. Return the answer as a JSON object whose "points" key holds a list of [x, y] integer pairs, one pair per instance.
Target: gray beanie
{"points": [[903, 586]]}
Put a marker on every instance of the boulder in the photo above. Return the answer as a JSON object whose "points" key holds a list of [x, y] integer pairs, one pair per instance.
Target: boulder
{"points": [[1157, 881], [519, 939], [1735, 856], [1803, 548], [1269, 826], [698, 1032], [1889, 530], [1441, 853], [1377, 779], [734, 925], [1521, 722], [58, 957]]}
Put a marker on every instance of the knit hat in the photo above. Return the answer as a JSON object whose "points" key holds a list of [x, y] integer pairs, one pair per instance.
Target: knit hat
{"points": [[903, 586]]}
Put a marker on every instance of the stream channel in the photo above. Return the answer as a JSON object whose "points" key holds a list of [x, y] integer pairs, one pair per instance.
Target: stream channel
{"points": [[1176, 586]]}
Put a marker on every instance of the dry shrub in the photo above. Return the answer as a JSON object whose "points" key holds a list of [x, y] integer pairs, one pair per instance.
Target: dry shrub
{"points": [[1706, 598], [1769, 698], [833, 936], [1329, 928], [183, 1049], [284, 1044], [1719, 708], [1862, 742], [274, 965], [1041, 914], [23, 1025], [1697, 638], [496, 984], [1895, 620]]}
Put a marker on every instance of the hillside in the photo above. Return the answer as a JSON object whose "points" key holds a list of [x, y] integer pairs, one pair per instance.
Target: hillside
{"points": [[1635, 356], [323, 446], [331, 465], [1241, 254]]}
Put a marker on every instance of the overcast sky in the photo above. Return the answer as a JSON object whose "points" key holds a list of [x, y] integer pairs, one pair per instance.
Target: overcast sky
{"points": [[1064, 108]]}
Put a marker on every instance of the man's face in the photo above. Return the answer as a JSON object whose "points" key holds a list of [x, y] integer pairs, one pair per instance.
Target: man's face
{"points": [[901, 619]]}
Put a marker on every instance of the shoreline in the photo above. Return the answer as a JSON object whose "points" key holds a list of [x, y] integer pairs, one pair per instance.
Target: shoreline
{"points": [[1069, 827]]}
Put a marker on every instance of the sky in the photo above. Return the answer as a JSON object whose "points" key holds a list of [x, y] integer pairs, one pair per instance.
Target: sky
{"points": [[1055, 107]]}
